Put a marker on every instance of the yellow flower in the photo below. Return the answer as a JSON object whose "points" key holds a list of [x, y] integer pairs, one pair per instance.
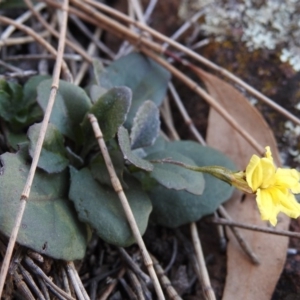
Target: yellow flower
{"points": [[274, 187]]}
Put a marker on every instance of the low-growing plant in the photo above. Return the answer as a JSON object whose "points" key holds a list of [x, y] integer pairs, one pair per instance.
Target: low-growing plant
{"points": [[72, 194]]}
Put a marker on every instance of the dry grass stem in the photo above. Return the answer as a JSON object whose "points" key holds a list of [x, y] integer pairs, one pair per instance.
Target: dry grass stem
{"points": [[22, 40], [204, 279], [128, 212], [275, 231], [20, 20], [85, 65], [210, 100], [238, 235], [50, 29], [187, 119], [195, 56], [27, 187], [166, 283], [38, 39]]}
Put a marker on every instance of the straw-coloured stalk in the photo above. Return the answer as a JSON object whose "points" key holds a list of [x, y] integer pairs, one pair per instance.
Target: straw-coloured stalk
{"points": [[204, 279], [27, 187], [128, 212]]}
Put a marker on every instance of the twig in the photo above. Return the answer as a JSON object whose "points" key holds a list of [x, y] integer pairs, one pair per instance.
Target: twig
{"points": [[201, 92], [39, 272], [20, 20], [149, 9], [28, 278], [85, 65], [128, 212], [204, 279], [27, 187], [165, 280], [50, 29], [37, 37], [22, 287], [134, 266], [188, 121], [231, 223], [238, 235], [65, 280], [128, 289], [136, 284], [22, 40], [195, 56], [110, 288], [173, 257], [71, 272], [221, 232]]}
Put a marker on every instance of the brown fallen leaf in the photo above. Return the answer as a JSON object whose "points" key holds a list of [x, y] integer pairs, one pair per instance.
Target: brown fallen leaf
{"points": [[245, 280]]}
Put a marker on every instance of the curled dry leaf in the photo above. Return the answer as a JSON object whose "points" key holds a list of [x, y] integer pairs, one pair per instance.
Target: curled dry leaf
{"points": [[245, 280]]}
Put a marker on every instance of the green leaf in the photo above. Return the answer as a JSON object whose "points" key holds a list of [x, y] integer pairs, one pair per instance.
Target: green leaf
{"points": [[99, 170], [124, 143], [146, 126], [18, 106], [49, 225], [70, 107], [15, 139], [30, 88], [53, 158], [146, 79], [96, 92], [174, 208], [110, 110], [101, 208], [176, 177]]}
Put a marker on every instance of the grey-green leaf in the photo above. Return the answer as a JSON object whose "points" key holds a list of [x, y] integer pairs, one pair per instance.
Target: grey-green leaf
{"points": [[110, 110], [146, 78], [174, 208], [49, 225], [124, 143], [70, 107], [146, 125], [53, 158], [100, 207], [176, 177]]}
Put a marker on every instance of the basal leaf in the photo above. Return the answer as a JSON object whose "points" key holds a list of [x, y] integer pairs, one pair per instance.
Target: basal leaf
{"points": [[124, 143], [49, 225], [110, 110], [146, 79], [70, 107], [99, 170], [100, 207], [53, 158], [174, 208], [176, 177], [146, 126]]}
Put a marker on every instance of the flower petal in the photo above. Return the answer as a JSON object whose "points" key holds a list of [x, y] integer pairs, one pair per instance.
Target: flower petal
{"points": [[288, 178], [254, 173], [290, 206], [267, 208]]}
